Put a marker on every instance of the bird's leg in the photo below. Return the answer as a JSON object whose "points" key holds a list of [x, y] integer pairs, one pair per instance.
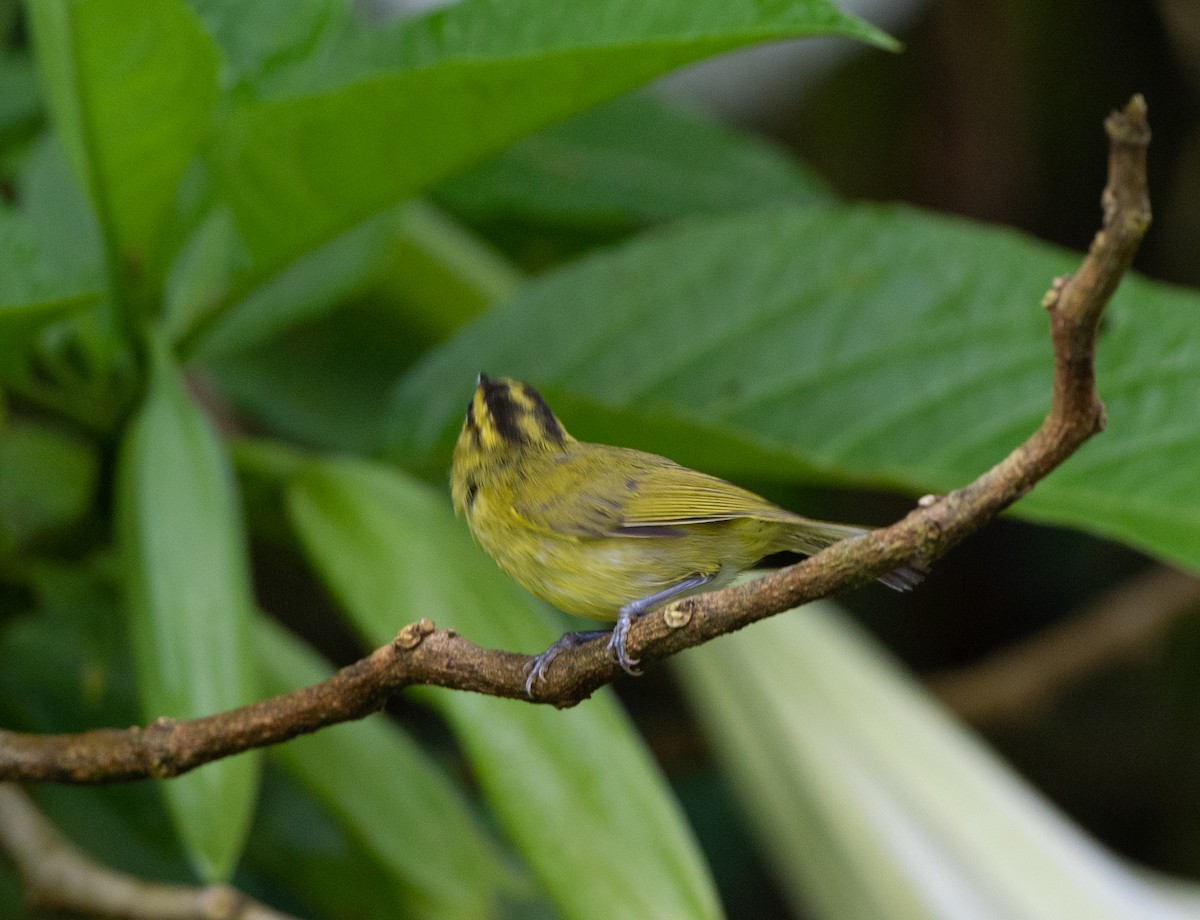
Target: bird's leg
{"points": [[535, 669], [632, 612]]}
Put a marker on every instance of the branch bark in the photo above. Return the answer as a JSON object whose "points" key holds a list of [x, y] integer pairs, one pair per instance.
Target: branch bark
{"points": [[422, 654]]}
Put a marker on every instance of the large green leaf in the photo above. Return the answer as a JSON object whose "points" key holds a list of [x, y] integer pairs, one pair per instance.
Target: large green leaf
{"points": [[132, 86], [859, 345], [576, 790], [190, 602], [356, 129], [871, 802], [414, 824], [632, 161]]}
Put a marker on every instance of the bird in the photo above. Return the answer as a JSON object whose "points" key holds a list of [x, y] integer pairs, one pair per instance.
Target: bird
{"points": [[605, 532]]}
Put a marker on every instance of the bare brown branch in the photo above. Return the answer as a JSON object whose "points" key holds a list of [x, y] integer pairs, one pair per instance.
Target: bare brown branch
{"points": [[1020, 681], [57, 876], [424, 655]]}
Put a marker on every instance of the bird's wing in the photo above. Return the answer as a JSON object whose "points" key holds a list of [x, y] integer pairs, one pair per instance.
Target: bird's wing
{"points": [[678, 496], [630, 493]]}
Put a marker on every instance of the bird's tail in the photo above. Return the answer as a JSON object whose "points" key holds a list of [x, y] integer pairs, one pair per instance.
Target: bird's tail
{"points": [[812, 536]]}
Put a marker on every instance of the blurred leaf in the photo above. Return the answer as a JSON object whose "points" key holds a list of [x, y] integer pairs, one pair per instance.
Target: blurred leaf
{"points": [[132, 86], [12, 901], [199, 277], [53, 270], [21, 101], [260, 40], [442, 273], [560, 783], [324, 383], [62, 666], [438, 273], [33, 293], [312, 285], [308, 857], [415, 824], [66, 669], [403, 280], [264, 466], [871, 802], [633, 161], [70, 357], [190, 601], [124, 827], [872, 345], [61, 221], [47, 480], [364, 126]]}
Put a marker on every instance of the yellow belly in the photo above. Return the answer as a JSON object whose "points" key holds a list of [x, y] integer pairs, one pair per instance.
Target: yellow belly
{"points": [[596, 576]]}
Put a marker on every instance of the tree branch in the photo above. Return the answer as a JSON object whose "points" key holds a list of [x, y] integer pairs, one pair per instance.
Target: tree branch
{"points": [[58, 877], [1023, 679], [421, 654]]}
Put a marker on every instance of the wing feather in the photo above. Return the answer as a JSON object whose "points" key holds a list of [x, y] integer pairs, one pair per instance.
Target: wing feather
{"points": [[633, 493]]}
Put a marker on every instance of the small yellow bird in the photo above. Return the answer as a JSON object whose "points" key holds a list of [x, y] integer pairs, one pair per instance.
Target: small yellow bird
{"points": [[609, 532]]}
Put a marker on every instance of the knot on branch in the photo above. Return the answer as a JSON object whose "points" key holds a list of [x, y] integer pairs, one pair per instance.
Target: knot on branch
{"points": [[159, 736], [412, 634]]}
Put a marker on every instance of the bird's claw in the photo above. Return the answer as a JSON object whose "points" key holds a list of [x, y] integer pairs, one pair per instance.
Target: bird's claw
{"points": [[617, 647], [535, 669]]}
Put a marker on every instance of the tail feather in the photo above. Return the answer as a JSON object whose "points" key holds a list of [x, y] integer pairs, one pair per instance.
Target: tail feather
{"points": [[904, 578], [813, 536]]}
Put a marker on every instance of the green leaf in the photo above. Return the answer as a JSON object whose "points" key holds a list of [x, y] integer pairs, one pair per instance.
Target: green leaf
{"points": [[28, 289], [415, 824], [190, 602], [871, 802], [635, 160], [441, 273], [403, 280], [51, 252], [47, 480], [437, 272], [132, 86], [63, 668], [402, 107], [61, 221], [559, 782], [315, 868], [20, 102], [324, 383], [260, 41], [307, 288], [32, 293], [199, 277], [870, 345]]}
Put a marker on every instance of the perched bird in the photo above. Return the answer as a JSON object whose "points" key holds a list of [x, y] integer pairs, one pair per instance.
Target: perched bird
{"points": [[609, 532]]}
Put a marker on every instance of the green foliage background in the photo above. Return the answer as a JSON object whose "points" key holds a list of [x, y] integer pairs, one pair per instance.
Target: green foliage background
{"points": [[252, 255]]}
